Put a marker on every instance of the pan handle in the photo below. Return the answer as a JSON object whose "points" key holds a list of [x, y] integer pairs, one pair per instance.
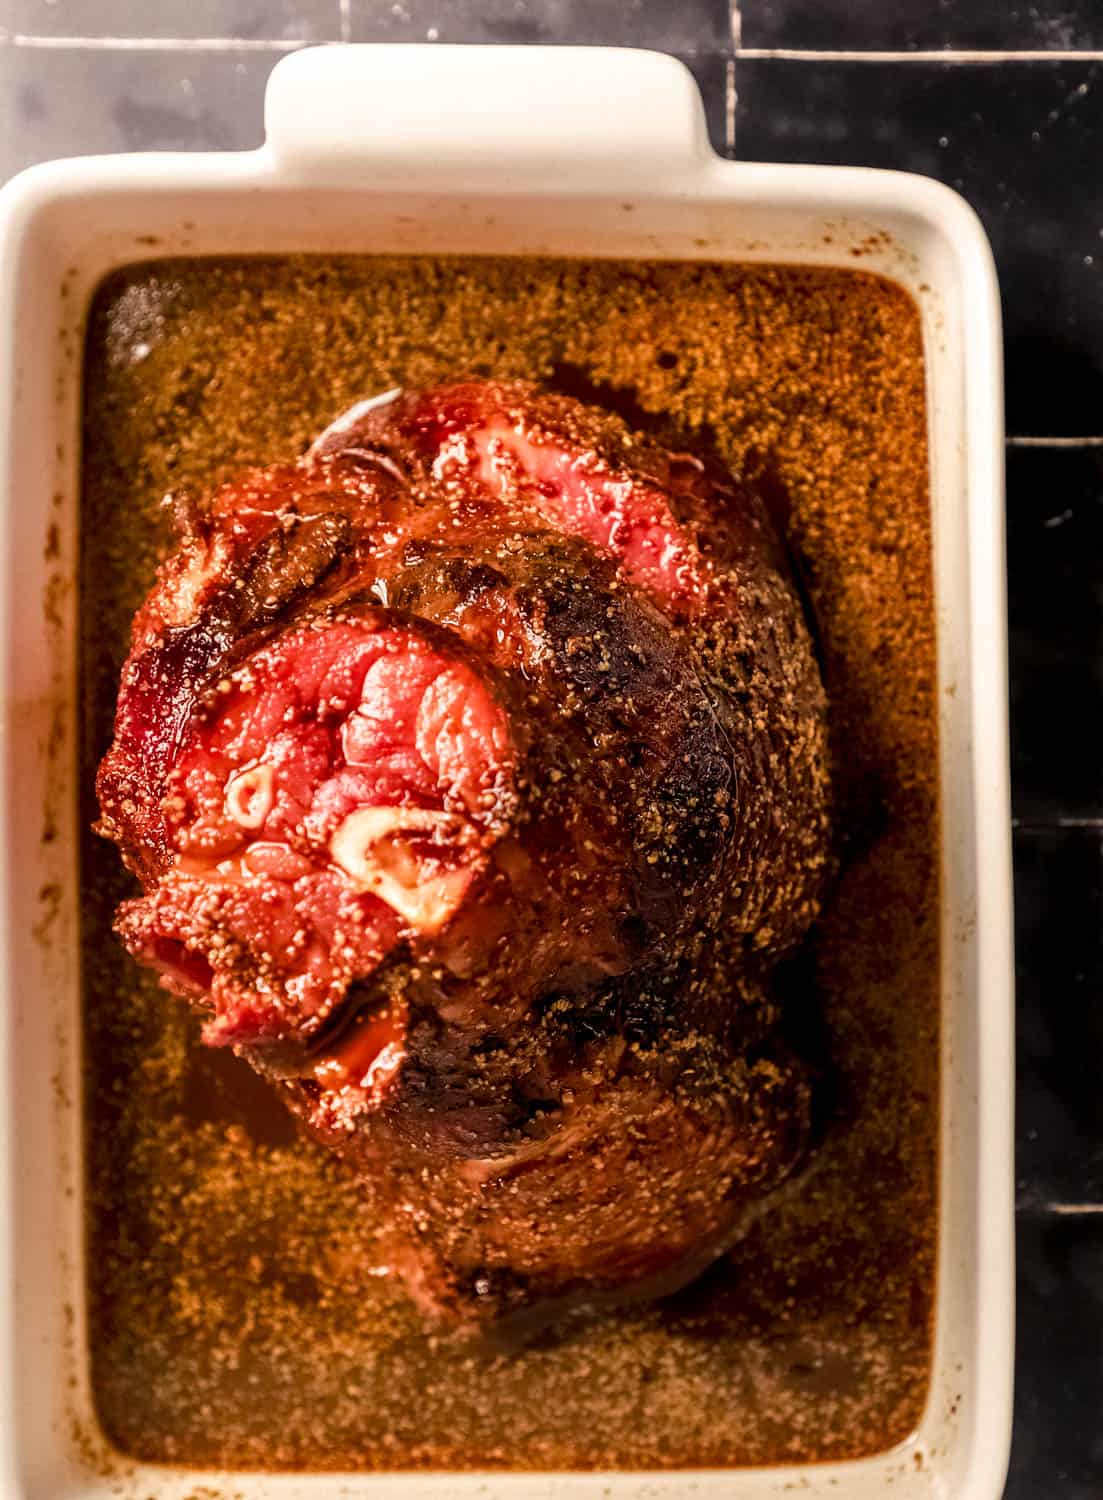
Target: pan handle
{"points": [[576, 114]]}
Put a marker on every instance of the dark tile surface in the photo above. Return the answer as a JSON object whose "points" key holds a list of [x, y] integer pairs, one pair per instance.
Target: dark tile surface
{"points": [[846, 25], [683, 26], [69, 102], [1057, 1452], [1057, 1448], [1059, 941], [710, 70], [287, 20], [1055, 606], [1022, 142]]}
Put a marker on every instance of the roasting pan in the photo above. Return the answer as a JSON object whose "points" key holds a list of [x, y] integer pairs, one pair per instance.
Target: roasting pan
{"points": [[528, 150]]}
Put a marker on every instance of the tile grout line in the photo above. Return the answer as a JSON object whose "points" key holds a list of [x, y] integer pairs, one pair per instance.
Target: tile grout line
{"points": [[1057, 824], [750, 54], [729, 108], [930, 55], [1054, 442], [156, 44]]}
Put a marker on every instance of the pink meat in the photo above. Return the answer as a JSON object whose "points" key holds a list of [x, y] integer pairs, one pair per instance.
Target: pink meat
{"points": [[263, 910], [541, 457]]}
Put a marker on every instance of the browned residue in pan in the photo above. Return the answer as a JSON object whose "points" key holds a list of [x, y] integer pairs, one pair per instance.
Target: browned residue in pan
{"points": [[235, 1316]]}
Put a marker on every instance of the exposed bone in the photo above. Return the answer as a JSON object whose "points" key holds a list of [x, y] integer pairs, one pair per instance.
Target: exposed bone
{"points": [[380, 460], [336, 438], [370, 849], [249, 796]]}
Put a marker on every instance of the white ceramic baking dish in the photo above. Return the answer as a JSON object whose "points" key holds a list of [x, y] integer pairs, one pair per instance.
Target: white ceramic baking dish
{"points": [[507, 150]]}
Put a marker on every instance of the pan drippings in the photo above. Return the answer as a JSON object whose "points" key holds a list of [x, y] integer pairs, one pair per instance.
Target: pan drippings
{"points": [[239, 1316]]}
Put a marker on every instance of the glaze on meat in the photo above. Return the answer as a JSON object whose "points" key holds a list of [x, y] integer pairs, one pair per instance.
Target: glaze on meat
{"points": [[473, 771]]}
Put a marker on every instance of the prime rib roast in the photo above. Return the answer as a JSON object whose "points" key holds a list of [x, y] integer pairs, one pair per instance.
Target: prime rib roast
{"points": [[473, 769]]}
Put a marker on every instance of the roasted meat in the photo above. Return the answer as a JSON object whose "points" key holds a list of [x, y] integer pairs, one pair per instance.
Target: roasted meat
{"points": [[473, 771]]}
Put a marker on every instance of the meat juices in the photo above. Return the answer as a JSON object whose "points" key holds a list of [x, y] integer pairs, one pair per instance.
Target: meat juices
{"points": [[473, 768]]}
